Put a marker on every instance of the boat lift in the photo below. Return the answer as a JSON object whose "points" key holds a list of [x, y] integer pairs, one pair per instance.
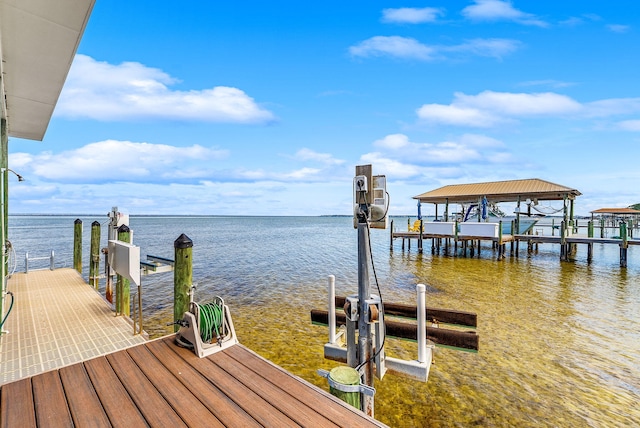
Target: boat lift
{"points": [[365, 312]]}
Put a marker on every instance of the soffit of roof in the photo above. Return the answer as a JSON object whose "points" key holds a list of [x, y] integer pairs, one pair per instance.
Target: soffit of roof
{"points": [[38, 40], [499, 191]]}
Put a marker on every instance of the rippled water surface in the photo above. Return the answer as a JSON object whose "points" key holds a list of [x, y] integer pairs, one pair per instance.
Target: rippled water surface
{"points": [[559, 341]]}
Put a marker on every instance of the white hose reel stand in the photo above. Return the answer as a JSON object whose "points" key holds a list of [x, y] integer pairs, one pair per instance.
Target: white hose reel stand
{"points": [[204, 343]]}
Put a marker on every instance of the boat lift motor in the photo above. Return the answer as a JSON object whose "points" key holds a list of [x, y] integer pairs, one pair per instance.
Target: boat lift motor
{"points": [[206, 328]]}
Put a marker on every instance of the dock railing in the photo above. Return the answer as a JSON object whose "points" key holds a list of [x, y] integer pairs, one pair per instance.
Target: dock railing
{"points": [[28, 259]]}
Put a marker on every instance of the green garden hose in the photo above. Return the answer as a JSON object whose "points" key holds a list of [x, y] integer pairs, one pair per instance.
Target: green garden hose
{"points": [[211, 318], [8, 312]]}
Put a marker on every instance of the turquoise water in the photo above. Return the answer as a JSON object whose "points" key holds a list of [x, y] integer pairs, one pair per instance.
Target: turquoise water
{"points": [[559, 341]]}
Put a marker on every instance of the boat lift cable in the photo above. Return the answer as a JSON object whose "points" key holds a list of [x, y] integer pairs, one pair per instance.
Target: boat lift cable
{"points": [[386, 210], [375, 276]]}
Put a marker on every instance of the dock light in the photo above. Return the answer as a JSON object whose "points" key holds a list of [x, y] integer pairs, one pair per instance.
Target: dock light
{"points": [[20, 178]]}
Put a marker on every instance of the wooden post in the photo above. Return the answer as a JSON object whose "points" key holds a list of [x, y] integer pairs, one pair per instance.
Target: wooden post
{"points": [[182, 276], [420, 238], [590, 229], [123, 305], [563, 246], [391, 237], [77, 245], [94, 255], [624, 245]]}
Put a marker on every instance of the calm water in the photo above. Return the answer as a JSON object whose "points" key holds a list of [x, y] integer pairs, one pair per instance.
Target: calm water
{"points": [[559, 342]]}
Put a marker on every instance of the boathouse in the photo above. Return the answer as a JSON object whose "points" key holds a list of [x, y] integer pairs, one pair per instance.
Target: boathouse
{"points": [[482, 197], [529, 191]]}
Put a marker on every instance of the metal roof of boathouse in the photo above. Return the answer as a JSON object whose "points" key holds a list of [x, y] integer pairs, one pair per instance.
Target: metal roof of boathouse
{"points": [[499, 191]]}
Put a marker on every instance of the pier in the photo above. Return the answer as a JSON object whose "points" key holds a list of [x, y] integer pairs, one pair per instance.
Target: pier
{"points": [[456, 244]]}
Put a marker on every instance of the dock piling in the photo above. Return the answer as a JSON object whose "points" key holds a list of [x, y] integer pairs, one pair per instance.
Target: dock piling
{"points": [[94, 255], [182, 276], [123, 285], [77, 245]]}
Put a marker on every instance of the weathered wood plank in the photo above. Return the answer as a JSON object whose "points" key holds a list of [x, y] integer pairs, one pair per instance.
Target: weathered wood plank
{"points": [[16, 405], [115, 400], [286, 400], [340, 414], [188, 406], [260, 409], [152, 405], [50, 402], [225, 409], [84, 404]]}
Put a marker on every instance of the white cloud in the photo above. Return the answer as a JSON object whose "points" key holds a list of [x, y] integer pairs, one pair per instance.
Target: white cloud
{"points": [[457, 115], [630, 125], [310, 155], [393, 141], [613, 106], [391, 167], [396, 46], [113, 160], [106, 92], [498, 10], [411, 15], [520, 104], [617, 28], [470, 148], [408, 48], [495, 48], [490, 108]]}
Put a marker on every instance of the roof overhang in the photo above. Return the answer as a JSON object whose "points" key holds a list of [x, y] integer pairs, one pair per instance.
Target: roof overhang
{"points": [[499, 191], [38, 41]]}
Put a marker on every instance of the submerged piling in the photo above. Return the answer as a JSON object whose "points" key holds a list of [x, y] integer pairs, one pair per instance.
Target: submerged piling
{"points": [[182, 276]]}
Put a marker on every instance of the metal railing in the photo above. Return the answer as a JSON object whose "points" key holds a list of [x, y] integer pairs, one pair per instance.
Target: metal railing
{"points": [[28, 259]]}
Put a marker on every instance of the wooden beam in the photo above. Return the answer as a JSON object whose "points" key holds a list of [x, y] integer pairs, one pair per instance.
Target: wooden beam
{"points": [[445, 316], [465, 340]]}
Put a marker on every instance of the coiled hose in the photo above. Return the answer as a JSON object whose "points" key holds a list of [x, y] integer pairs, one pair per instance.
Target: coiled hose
{"points": [[211, 319]]}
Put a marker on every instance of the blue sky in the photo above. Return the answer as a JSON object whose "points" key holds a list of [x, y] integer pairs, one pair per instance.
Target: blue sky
{"points": [[265, 108]]}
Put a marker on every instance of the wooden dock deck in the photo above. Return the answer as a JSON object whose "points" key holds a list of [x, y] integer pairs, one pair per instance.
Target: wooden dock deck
{"points": [[84, 367], [159, 384]]}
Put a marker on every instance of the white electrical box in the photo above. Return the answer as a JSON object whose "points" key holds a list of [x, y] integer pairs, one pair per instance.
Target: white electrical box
{"points": [[124, 258], [380, 203]]}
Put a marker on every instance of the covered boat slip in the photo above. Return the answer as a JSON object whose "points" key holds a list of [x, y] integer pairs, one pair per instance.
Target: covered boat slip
{"points": [[530, 191], [482, 196]]}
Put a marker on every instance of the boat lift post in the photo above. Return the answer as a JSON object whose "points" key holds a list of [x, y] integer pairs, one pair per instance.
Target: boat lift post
{"points": [[365, 348]]}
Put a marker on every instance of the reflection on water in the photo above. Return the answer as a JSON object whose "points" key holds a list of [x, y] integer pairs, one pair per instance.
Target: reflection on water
{"points": [[559, 341]]}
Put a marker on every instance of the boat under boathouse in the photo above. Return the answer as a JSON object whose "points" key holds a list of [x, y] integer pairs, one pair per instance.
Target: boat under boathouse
{"points": [[478, 201], [527, 191]]}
